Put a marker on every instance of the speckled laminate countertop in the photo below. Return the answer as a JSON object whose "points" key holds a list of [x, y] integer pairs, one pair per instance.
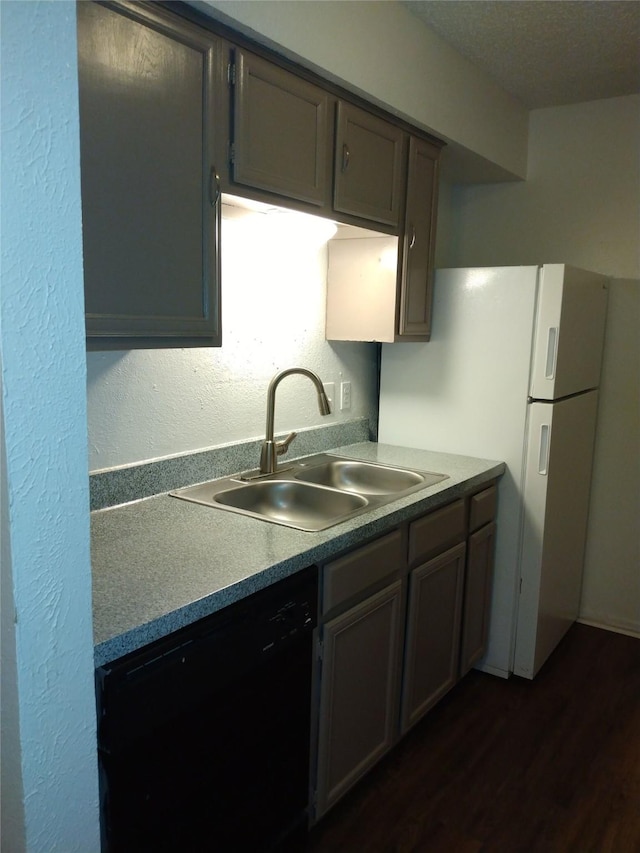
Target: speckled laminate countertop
{"points": [[160, 563]]}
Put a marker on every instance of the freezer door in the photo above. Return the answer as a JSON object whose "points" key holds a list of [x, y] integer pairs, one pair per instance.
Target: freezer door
{"points": [[569, 332], [556, 499]]}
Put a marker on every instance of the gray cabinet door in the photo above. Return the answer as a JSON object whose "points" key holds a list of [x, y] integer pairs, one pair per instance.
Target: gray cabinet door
{"points": [[283, 132], [358, 694], [416, 274], [369, 171], [433, 633], [150, 230], [477, 596]]}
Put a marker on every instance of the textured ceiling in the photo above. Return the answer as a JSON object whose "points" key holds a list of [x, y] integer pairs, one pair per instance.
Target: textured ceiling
{"points": [[545, 52]]}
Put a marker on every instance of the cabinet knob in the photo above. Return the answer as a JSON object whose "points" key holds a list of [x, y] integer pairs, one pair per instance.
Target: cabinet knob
{"points": [[412, 239]]}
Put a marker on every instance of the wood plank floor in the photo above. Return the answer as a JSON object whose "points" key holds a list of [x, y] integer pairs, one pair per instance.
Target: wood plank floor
{"points": [[548, 766]]}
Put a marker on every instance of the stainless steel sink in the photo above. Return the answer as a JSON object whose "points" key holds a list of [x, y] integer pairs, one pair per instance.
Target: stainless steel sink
{"points": [[299, 505], [313, 493], [366, 478]]}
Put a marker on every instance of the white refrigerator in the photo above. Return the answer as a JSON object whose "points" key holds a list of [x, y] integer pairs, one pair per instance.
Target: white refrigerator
{"points": [[511, 373]]}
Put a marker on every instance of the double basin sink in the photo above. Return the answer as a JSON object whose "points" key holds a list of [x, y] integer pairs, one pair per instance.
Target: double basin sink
{"points": [[313, 493]]}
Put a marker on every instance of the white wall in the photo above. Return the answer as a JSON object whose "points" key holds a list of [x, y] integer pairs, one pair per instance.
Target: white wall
{"points": [[611, 591], [148, 404], [581, 205], [51, 772], [378, 48]]}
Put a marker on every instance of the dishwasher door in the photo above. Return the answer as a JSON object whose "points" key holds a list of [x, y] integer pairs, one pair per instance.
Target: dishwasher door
{"points": [[204, 737]]}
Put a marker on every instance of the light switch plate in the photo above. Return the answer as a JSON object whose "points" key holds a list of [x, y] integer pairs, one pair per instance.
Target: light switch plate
{"points": [[330, 391]]}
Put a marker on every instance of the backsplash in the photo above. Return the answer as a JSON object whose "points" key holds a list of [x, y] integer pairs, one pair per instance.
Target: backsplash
{"points": [[133, 482], [149, 404]]}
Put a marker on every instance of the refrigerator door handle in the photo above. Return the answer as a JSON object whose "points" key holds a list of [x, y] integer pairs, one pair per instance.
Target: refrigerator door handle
{"points": [[552, 353], [543, 454]]}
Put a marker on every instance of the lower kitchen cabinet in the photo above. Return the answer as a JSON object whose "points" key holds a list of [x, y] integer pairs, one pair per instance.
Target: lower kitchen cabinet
{"points": [[402, 619], [358, 697], [483, 508], [477, 596], [433, 633]]}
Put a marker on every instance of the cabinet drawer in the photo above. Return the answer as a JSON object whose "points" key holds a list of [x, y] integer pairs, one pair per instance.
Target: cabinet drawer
{"points": [[482, 508], [435, 532], [356, 572]]}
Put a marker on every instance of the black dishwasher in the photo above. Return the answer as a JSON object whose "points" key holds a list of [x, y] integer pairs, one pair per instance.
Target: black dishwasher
{"points": [[203, 737]]}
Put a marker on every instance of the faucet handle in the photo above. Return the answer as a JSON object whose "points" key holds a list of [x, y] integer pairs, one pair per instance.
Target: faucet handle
{"points": [[283, 446]]}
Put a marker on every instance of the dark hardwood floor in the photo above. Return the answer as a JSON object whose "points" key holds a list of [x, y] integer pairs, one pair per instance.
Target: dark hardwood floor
{"points": [[548, 766]]}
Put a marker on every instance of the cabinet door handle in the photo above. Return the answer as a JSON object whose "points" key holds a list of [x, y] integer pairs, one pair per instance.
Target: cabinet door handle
{"points": [[412, 240], [214, 187], [215, 197], [346, 156]]}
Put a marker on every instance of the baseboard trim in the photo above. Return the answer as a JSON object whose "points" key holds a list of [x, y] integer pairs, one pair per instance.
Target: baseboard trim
{"points": [[493, 670], [616, 629]]}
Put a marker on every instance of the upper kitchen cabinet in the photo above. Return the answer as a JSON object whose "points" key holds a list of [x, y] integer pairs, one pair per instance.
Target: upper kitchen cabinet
{"points": [[292, 139], [282, 132], [369, 166], [150, 196], [380, 288], [415, 272]]}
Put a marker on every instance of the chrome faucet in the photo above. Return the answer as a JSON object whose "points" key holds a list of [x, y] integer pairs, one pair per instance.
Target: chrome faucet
{"points": [[271, 449]]}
